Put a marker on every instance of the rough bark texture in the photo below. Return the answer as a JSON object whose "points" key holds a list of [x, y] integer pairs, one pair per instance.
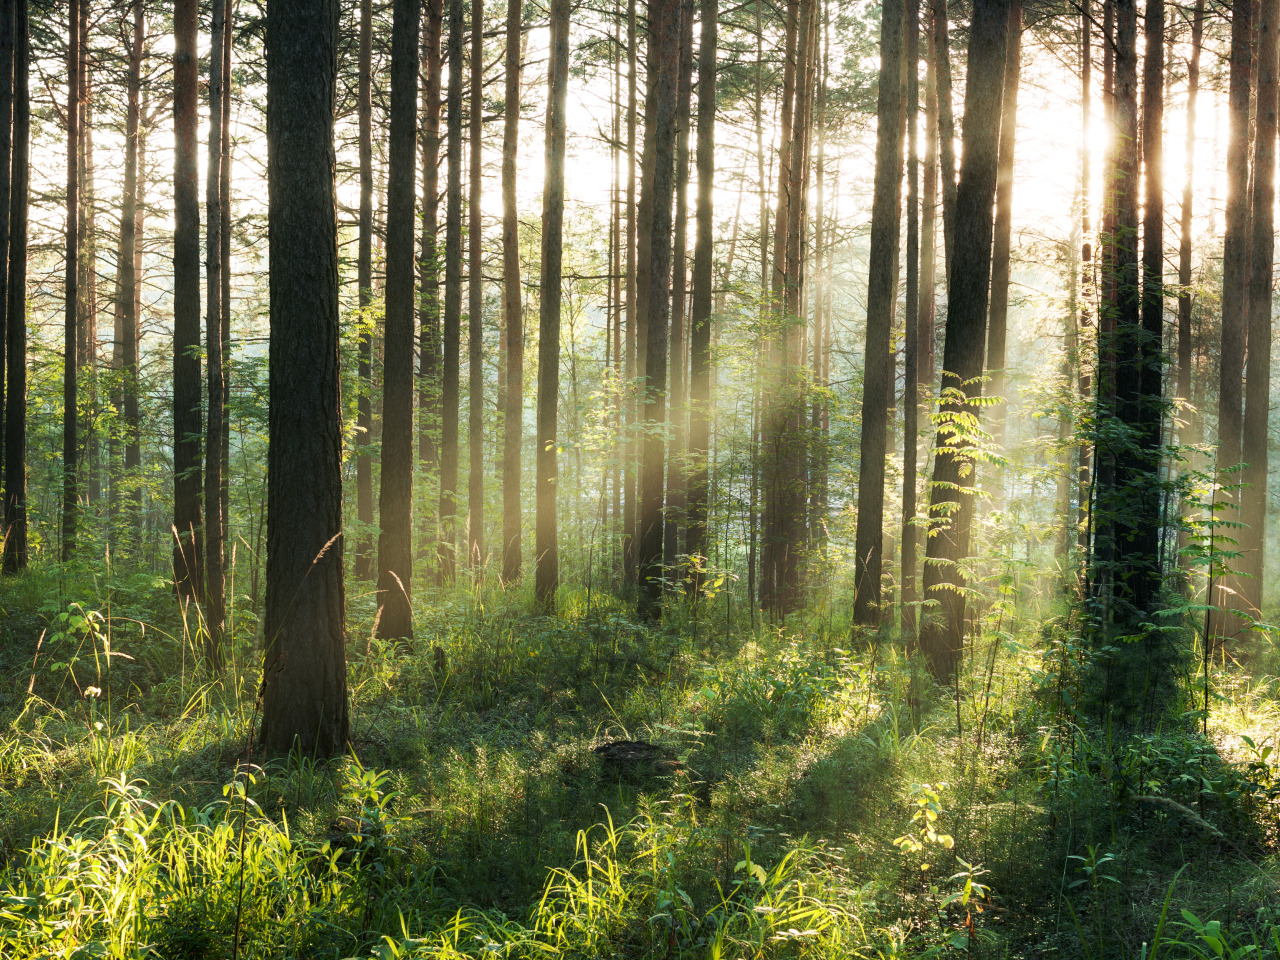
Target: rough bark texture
{"points": [[304, 688], [15, 433], [188, 420], [395, 494], [449, 394], [659, 135], [6, 184], [929, 216], [215, 587], [429, 302], [364, 280], [547, 559], [942, 635], [701, 307], [946, 129], [513, 412], [911, 330], [631, 363], [475, 306], [876, 389], [999, 313], [70, 341], [1257, 399], [1184, 233]]}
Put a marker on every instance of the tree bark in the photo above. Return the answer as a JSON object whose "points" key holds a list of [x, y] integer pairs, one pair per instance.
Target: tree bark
{"points": [[395, 494], [659, 135], [70, 342], [942, 638], [15, 432], [547, 555], [1185, 297], [632, 361], [452, 307], [876, 388], [928, 215], [429, 280], [6, 185], [304, 688], [188, 419], [946, 129], [215, 586], [513, 412], [364, 280], [911, 331], [475, 292], [701, 308]]}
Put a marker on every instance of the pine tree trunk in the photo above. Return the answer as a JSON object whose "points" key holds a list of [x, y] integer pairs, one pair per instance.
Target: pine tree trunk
{"points": [[429, 279], [659, 136], [87, 282], [70, 342], [475, 293], [304, 687], [876, 388], [450, 394], [911, 332], [364, 279], [946, 129], [215, 585], [224, 488], [701, 306], [6, 185], [513, 411], [395, 494], [547, 556], [188, 420], [1185, 298], [15, 432], [632, 362], [942, 638], [928, 215]]}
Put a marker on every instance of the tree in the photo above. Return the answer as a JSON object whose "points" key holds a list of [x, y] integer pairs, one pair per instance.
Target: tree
{"points": [[188, 419], [547, 557], [941, 638], [701, 306], [429, 279], [513, 414], [882, 281], [6, 185], [395, 496], [452, 307], [70, 366], [1184, 232], [215, 605], [304, 684], [15, 411], [475, 307], [364, 280], [911, 332], [659, 135]]}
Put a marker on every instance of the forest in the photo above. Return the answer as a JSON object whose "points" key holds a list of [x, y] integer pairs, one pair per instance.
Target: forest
{"points": [[664, 479]]}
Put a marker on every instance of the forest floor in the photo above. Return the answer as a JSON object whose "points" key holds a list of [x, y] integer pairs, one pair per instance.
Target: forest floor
{"points": [[807, 792]]}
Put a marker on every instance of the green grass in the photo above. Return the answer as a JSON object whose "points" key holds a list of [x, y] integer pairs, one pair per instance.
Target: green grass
{"points": [[472, 818]]}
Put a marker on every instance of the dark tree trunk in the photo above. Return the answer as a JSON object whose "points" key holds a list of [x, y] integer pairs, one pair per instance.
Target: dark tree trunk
{"points": [[364, 280], [395, 494], [547, 555], [70, 342], [6, 185], [1088, 288], [999, 313], [449, 398], [876, 388], [215, 586], [87, 283], [188, 420], [513, 412], [942, 638], [1257, 405], [429, 309], [224, 488], [304, 686], [659, 135], [928, 215], [911, 331], [1185, 297], [946, 129], [701, 307], [15, 411], [632, 361], [475, 307]]}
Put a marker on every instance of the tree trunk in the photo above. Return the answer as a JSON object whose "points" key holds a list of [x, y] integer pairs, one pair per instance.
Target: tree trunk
{"points": [[701, 307], [876, 388], [215, 585], [188, 419], [928, 216], [15, 411], [71, 359], [449, 398], [659, 135], [946, 129], [6, 184], [364, 280], [547, 555], [224, 488], [395, 494], [674, 516], [1185, 297], [1257, 408], [911, 331], [513, 412], [304, 686], [475, 293], [632, 334], [429, 309], [1000, 253], [942, 638]]}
